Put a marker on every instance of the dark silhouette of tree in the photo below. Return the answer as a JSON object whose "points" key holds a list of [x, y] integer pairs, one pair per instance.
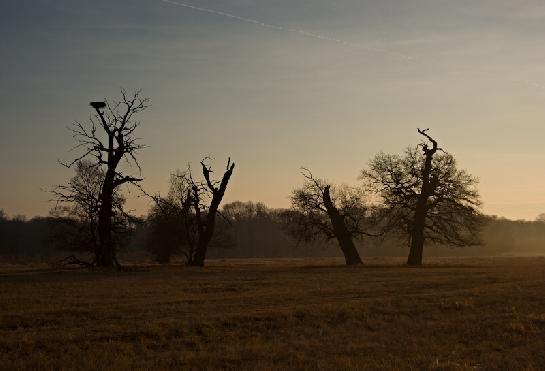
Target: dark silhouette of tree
{"points": [[109, 138], [197, 203], [321, 210], [205, 212], [166, 235], [426, 196], [241, 211], [172, 222], [78, 205]]}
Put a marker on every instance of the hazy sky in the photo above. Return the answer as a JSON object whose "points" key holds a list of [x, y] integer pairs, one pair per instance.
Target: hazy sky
{"points": [[273, 99]]}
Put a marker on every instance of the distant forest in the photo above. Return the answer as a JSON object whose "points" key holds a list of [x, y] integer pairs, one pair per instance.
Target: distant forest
{"points": [[254, 230]]}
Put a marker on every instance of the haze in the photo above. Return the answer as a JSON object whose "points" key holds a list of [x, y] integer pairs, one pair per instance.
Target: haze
{"points": [[359, 79]]}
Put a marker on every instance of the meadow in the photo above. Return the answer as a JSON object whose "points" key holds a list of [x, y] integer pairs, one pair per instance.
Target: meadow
{"points": [[451, 314]]}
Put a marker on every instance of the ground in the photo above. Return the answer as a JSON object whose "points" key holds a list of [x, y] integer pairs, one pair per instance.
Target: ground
{"points": [[451, 314]]}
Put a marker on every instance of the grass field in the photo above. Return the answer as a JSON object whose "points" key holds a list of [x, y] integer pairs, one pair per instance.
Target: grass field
{"points": [[452, 314]]}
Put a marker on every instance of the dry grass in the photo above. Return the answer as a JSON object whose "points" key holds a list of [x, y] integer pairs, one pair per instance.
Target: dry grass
{"points": [[453, 314]]}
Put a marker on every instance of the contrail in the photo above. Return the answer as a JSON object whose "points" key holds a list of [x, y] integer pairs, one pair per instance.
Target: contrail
{"points": [[289, 29], [536, 86]]}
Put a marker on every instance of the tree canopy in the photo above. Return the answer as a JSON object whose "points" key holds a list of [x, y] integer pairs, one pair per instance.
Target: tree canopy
{"points": [[451, 200]]}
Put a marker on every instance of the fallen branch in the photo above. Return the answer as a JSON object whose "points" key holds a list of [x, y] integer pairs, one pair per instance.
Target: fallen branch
{"points": [[72, 260]]}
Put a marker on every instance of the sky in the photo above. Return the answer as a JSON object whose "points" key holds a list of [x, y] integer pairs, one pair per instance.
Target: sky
{"points": [[277, 85]]}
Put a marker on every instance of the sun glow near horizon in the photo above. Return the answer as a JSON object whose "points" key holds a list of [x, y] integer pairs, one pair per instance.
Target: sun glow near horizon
{"points": [[278, 86]]}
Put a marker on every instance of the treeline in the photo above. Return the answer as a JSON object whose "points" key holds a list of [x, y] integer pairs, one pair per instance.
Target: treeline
{"points": [[419, 197], [253, 231]]}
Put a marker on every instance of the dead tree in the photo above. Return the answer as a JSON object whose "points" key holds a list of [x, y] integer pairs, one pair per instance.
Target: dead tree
{"points": [[109, 138], [426, 197], [205, 216], [317, 212], [197, 203]]}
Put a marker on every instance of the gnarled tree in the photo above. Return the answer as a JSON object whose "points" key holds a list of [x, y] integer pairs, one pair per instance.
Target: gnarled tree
{"points": [[196, 205], [426, 197], [109, 138], [205, 213], [319, 209]]}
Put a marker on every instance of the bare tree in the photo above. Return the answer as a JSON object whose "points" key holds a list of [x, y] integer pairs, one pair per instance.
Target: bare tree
{"points": [[205, 213], [109, 138], [426, 196], [174, 218], [197, 204], [321, 210], [78, 204]]}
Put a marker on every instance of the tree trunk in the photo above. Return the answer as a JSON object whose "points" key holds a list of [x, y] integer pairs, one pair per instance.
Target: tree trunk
{"points": [[189, 258], [162, 257], [200, 251], [351, 255], [106, 254], [206, 230], [92, 233], [420, 213], [417, 235], [206, 235]]}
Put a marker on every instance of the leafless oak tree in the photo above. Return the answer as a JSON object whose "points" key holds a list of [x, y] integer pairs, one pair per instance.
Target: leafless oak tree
{"points": [[319, 209], [109, 138], [197, 204], [205, 216], [79, 201], [426, 196]]}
